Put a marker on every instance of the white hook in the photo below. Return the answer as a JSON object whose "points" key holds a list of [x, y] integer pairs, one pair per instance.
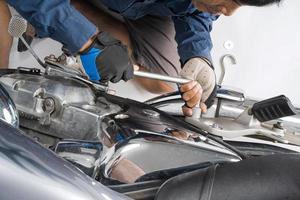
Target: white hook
{"points": [[223, 66]]}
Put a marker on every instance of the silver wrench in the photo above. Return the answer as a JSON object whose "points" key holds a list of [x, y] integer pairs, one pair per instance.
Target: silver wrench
{"points": [[160, 77], [178, 80]]}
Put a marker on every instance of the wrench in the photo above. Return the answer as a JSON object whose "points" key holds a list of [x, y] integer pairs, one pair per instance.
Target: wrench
{"points": [[178, 80], [160, 77]]}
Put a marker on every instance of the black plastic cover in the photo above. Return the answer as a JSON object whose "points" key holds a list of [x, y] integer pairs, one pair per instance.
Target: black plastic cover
{"points": [[274, 177], [273, 108]]}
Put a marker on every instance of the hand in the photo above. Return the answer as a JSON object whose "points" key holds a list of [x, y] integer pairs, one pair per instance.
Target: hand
{"points": [[109, 62], [201, 90]]}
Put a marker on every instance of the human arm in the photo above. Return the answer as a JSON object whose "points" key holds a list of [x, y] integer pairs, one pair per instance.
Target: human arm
{"points": [[193, 35], [58, 20], [194, 46], [107, 60], [202, 90]]}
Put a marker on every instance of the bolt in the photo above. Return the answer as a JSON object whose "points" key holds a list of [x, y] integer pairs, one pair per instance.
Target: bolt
{"points": [[215, 125], [278, 125], [49, 105], [151, 113]]}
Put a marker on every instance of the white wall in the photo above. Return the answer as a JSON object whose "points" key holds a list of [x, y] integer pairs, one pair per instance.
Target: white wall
{"points": [[266, 46]]}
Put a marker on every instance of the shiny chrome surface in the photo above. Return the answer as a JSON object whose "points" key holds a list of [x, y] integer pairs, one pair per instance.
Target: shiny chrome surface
{"points": [[57, 69], [223, 66], [172, 102], [83, 154], [65, 108], [8, 111], [160, 77], [57, 106], [17, 26], [29, 171], [143, 143], [226, 119], [147, 153], [111, 139], [230, 94]]}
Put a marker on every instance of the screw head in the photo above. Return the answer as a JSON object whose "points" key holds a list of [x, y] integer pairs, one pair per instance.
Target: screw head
{"points": [[49, 105]]}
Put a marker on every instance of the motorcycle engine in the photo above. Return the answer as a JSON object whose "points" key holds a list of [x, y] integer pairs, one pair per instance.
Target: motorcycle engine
{"points": [[112, 139]]}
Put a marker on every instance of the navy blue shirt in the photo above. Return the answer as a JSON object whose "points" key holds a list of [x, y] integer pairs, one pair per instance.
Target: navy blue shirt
{"points": [[62, 22]]}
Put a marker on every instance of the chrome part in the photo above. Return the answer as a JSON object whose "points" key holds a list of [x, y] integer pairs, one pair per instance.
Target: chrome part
{"points": [[49, 105], [172, 103], [29, 171], [163, 97], [229, 118], [244, 125], [160, 77], [151, 113], [60, 68], [58, 106], [83, 154], [165, 144], [57, 69], [113, 139], [149, 153], [66, 108], [8, 111], [222, 92], [230, 94], [17, 26], [223, 66], [121, 116]]}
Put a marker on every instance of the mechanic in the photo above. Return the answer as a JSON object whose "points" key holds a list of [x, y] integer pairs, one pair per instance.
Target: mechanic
{"points": [[5, 38], [149, 29]]}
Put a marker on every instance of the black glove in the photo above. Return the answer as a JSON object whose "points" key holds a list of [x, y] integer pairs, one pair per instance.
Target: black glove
{"points": [[107, 60], [113, 64]]}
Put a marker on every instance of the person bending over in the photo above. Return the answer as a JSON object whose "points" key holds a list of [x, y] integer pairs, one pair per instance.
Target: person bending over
{"points": [[170, 37]]}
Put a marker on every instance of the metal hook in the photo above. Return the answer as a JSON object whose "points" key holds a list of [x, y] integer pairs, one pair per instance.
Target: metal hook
{"points": [[223, 66]]}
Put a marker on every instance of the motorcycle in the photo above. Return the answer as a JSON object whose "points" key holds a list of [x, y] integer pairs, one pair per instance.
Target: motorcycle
{"points": [[70, 138]]}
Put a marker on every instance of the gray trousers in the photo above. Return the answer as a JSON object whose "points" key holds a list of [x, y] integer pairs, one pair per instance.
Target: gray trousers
{"points": [[152, 41]]}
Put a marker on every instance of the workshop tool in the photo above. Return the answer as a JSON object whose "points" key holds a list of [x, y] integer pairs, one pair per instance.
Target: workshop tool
{"points": [[160, 77], [18, 25], [177, 80]]}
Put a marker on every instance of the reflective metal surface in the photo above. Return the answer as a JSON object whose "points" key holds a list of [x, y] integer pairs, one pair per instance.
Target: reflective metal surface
{"points": [[228, 118], [223, 66], [17, 26], [144, 143], [116, 140], [172, 102], [29, 171], [147, 153], [111, 139], [83, 154], [58, 69], [8, 111], [160, 77], [64, 108], [57, 106], [230, 94]]}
